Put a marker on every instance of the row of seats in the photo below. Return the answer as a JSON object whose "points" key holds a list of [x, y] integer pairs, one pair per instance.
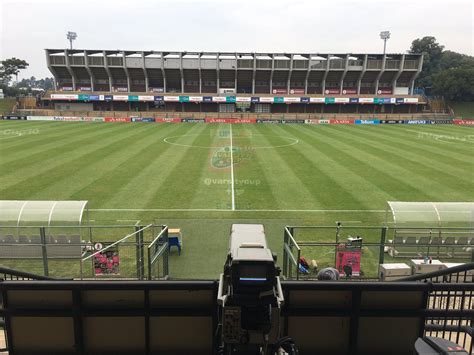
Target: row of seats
{"points": [[36, 239], [434, 240]]}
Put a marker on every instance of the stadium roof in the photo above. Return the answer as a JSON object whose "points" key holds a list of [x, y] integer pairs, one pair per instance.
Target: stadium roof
{"points": [[431, 214], [41, 213]]}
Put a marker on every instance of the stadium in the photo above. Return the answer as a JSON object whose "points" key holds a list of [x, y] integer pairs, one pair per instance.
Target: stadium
{"points": [[229, 82], [235, 203]]}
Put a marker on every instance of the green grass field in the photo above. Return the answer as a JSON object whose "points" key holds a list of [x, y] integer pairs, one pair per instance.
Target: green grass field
{"points": [[180, 175]]}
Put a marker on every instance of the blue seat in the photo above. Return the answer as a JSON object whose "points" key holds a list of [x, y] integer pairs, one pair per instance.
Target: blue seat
{"points": [[174, 241]]}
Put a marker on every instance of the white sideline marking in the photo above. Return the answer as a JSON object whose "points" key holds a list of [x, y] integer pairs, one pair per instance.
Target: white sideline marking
{"points": [[221, 210], [232, 168]]}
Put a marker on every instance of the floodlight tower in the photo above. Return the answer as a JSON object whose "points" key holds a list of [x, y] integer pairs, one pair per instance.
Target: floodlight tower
{"points": [[71, 36], [385, 35]]}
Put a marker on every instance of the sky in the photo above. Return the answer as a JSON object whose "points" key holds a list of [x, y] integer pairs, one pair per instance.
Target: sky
{"points": [[27, 27]]}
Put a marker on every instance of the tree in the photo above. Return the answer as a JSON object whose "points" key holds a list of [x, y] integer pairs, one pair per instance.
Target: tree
{"points": [[451, 59], [432, 54], [455, 84], [11, 67]]}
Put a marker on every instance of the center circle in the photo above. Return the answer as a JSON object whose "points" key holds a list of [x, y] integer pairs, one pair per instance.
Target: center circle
{"points": [[288, 141]]}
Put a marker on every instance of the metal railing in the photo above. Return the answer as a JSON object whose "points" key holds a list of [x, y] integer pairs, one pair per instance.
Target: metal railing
{"points": [[158, 252], [320, 243], [69, 251], [17, 275]]}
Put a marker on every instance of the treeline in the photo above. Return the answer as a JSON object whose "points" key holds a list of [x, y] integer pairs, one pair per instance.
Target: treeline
{"points": [[445, 73]]}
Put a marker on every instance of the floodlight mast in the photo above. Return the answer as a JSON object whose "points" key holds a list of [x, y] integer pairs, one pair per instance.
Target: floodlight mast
{"points": [[71, 36], [385, 35]]}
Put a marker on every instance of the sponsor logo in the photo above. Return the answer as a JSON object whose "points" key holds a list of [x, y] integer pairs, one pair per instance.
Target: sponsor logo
{"points": [[40, 118], [117, 119], [193, 120], [349, 91], [464, 122], [293, 121], [417, 122], [268, 121], [391, 121], [14, 117], [442, 122], [367, 121], [254, 99], [280, 91], [296, 91], [291, 99], [304, 100], [168, 120], [341, 121]]}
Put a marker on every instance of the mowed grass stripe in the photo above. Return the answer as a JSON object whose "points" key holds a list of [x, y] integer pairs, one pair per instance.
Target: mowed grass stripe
{"points": [[422, 187], [335, 184], [42, 141], [404, 144], [215, 193], [287, 184], [155, 166], [279, 178], [74, 140], [111, 162], [40, 173], [251, 182], [342, 170], [368, 170], [436, 169], [425, 138], [453, 151], [183, 182]]}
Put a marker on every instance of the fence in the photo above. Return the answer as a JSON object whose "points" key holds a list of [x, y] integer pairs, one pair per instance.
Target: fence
{"points": [[158, 252], [379, 244], [452, 308], [93, 251]]}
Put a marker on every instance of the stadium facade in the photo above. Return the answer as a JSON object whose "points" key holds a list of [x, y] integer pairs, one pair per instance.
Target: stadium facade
{"points": [[233, 82]]}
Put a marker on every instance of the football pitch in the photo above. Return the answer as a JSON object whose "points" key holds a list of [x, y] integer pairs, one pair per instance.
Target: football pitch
{"points": [[204, 177]]}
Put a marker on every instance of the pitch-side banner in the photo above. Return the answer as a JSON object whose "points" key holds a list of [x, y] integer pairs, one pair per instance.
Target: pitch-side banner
{"points": [[14, 117], [230, 120], [392, 121], [367, 121], [312, 121], [464, 122], [168, 120], [40, 118], [64, 96], [117, 119]]}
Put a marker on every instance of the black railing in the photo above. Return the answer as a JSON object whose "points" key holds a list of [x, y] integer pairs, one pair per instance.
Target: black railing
{"points": [[463, 273], [7, 274]]}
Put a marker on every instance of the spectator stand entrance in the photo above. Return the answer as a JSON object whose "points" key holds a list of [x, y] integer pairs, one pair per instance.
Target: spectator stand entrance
{"points": [[56, 238]]}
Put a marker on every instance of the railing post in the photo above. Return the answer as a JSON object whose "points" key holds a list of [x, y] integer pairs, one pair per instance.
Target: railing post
{"points": [[139, 252], [165, 257], [285, 256], [44, 251], [383, 236]]}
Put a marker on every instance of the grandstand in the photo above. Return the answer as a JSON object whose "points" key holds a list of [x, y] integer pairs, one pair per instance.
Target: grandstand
{"points": [[229, 83]]}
